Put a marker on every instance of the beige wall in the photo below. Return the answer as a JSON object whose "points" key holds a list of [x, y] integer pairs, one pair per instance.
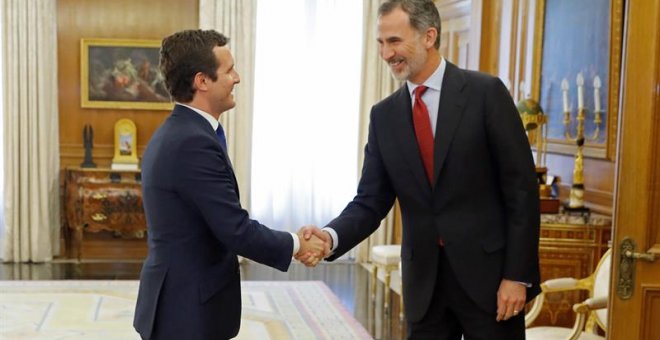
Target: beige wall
{"points": [[121, 19]]}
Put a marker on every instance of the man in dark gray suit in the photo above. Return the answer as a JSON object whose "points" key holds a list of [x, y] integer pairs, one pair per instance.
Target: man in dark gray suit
{"points": [[190, 282], [449, 144]]}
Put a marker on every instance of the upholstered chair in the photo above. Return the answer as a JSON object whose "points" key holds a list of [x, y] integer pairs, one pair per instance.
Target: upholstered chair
{"points": [[591, 314], [386, 258]]}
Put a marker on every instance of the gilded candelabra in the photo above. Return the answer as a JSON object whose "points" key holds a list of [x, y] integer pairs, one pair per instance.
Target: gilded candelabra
{"points": [[576, 197]]}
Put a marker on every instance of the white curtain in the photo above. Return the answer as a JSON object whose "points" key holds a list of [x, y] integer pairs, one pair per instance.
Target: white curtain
{"points": [[307, 96], [377, 83], [30, 130], [2, 166], [237, 20]]}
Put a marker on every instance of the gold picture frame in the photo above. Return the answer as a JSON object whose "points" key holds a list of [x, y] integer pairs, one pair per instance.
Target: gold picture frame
{"points": [[548, 91], [122, 74]]}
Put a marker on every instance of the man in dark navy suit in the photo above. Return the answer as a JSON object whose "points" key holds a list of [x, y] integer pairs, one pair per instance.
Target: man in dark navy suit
{"points": [[449, 144], [190, 282]]}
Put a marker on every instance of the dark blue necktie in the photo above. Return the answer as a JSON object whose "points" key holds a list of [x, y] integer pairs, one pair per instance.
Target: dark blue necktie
{"points": [[221, 137]]}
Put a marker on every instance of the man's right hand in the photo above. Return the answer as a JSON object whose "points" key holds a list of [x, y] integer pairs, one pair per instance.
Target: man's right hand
{"points": [[315, 245]]}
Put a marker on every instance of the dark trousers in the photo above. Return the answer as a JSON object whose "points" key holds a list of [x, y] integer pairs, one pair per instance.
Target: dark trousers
{"points": [[453, 314]]}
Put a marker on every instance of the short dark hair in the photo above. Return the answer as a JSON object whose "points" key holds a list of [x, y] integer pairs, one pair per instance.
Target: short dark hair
{"points": [[183, 55], [422, 13]]}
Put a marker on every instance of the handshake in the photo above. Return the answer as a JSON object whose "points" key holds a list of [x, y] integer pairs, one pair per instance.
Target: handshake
{"points": [[315, 245]]}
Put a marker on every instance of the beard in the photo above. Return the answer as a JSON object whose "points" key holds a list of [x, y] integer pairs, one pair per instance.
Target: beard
{"points": [[412, 65]]}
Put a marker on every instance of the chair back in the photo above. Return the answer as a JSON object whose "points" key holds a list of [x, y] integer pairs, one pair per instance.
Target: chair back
{"points": [[602, 286]]}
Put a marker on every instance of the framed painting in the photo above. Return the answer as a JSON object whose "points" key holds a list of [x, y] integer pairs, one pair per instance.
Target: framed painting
{"points": [[579, 38], [122, 74]]}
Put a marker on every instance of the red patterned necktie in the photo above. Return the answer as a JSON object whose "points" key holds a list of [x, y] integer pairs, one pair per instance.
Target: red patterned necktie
{"points": [[423, 131]]}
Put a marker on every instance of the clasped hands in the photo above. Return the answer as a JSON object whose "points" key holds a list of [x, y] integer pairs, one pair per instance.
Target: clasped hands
{"points": [[315, 245]]}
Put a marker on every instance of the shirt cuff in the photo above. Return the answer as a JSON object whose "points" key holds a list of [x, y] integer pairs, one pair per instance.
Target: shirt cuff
{"points": [[335, 238], [528, 285], [296, 243]]}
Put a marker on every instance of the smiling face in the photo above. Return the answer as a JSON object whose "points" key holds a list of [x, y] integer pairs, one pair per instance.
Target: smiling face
{"points": [[220, 91], [405, 49]]}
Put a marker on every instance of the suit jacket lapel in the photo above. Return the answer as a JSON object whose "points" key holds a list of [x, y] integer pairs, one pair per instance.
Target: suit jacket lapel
{"points": [[450, 111], [405, 133], [187, 113]]}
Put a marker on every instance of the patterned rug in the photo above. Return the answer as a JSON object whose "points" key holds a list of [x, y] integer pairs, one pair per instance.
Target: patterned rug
{"points": [[104, 310]]}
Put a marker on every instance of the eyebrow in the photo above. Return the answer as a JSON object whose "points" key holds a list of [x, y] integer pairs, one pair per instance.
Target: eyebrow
{"points": [[389, 39]]}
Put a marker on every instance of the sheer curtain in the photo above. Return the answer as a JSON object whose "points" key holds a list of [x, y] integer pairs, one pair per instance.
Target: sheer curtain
{"points": [[30, 131], [377, 83], [2, 120], [236, 19], [306, 110]]}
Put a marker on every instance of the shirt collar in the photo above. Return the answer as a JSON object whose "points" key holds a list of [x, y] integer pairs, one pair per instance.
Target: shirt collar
{"points": [[214, 122], [434, 82]]}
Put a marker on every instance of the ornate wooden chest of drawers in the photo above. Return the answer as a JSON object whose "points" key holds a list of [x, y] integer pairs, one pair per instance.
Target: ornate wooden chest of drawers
{"points": [[103, 199], [569, 247]]}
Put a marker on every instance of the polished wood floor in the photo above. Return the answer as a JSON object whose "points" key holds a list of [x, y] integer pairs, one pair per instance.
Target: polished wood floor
{"points": [[348, 280]]}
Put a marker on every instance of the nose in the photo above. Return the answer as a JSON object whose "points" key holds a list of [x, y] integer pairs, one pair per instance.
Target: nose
{"points": [[236, 77], [386, 52]]}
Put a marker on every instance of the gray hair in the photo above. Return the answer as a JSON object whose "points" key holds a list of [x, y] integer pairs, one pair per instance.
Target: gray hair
{"points": [[422, 13]]}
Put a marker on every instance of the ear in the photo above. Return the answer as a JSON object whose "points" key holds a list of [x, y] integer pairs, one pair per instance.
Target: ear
{"points": [[430, 37], [200, 82]]}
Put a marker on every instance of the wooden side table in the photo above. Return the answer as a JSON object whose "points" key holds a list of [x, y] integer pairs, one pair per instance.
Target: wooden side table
{"points": [[102, 200], [569, 247]]}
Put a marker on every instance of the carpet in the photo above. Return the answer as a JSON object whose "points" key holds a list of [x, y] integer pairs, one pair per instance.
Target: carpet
{"points": [[104, 310]]}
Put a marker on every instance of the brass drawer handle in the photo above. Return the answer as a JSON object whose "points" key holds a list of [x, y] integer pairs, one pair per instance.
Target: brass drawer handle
{"points": [[100, 196], [99, 217]]}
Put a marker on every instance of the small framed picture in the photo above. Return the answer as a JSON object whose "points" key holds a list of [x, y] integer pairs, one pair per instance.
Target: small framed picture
{"points": [[125, 146]]}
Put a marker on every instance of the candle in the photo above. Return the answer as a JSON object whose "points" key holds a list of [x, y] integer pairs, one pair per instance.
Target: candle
{"points": [[522, 90], [564, 91], [597, 94], [580, 85]]}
